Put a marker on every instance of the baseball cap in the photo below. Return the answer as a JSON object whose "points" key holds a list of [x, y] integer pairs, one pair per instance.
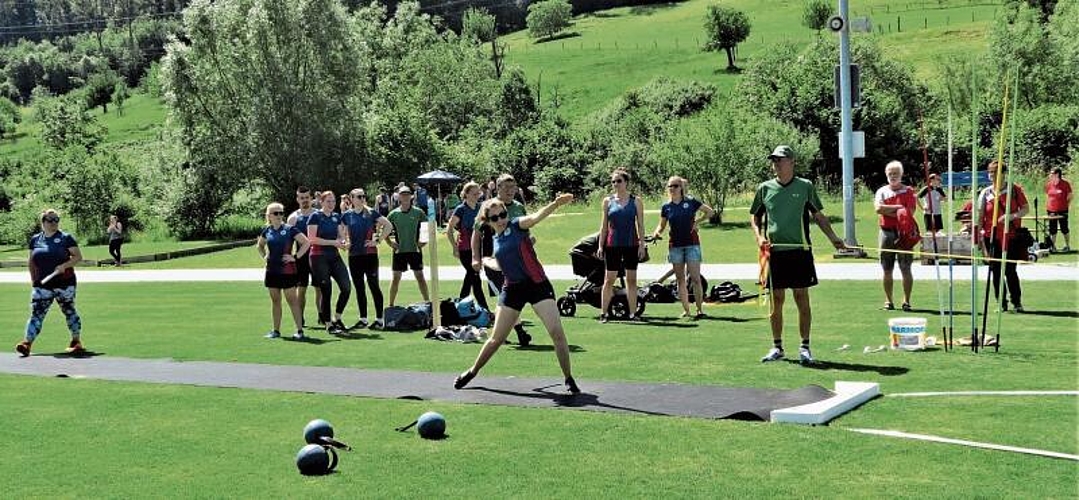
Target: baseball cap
{"points": [[781, 152], [404, 189]]}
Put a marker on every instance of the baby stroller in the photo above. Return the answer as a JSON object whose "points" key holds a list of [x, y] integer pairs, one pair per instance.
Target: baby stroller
{"points": [[592, 269]]}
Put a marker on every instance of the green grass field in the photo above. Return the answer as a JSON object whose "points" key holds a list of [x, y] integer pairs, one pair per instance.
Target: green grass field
{"points": [[137, 440], [610, 52]]}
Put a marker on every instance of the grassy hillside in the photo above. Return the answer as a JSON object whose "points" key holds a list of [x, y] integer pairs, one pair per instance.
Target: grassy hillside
{"points": [[606, 53]]}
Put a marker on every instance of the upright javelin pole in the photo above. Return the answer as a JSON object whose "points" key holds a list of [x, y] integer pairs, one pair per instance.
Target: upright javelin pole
{"points": [[997, 195], [951, 262], [932, 229], [1008, 209], [974, 223]]}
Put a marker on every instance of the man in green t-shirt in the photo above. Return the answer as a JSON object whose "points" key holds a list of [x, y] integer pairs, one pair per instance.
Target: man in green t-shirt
{"points": [[405, 241], [483, 242], [781, 210]]}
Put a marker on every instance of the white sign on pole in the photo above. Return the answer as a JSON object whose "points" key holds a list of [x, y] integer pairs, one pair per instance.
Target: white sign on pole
{"points": [[857, 144]]}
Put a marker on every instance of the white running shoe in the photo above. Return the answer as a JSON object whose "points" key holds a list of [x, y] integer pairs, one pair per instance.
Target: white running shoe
{"points": [[805, 356], [775, 354]]}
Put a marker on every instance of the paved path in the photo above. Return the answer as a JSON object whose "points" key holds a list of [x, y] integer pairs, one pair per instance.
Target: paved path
{"points": [[715, 273], [620, 397]]}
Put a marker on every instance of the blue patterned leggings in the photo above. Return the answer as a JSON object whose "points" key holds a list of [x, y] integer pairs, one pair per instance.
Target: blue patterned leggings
{"points": [[41, 300]]}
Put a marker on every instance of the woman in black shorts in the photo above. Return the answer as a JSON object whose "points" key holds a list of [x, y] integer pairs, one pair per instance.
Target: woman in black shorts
{"points": [[620, 242], [275, 246], [526, 283]]}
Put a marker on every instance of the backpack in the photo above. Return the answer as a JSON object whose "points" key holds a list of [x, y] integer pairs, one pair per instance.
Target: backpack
{"points": [[658, 293], [403, 319], [472, 313], [448, 311], [725, 292]]}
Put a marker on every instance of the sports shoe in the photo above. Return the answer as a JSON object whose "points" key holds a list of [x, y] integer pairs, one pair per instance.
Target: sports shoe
{"points": [[376, 325], [1019, 308], [463, 379], [1066, 249], [572, 385], [906, 306], [775, 354], [23, 348], [603, 318], [805, 356], [274, 334], [74, 347], [888, 306], [299, 336], [362, 323]]}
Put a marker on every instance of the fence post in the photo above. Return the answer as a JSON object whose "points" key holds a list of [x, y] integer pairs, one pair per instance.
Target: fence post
{"points": [[898, 24], [925, 23]]}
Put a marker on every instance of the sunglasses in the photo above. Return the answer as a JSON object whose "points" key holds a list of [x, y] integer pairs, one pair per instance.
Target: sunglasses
{"points": [[279, 214], [498, 217], [53, 220], [617, 181], [673, 186]]}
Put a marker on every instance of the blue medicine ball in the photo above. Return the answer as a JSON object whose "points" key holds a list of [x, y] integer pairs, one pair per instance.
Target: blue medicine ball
{"points": [[431, 425], [314, 460], [316, 429]]}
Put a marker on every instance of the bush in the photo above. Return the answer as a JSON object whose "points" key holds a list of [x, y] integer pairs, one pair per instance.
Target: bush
{"points": [[9, 117], [548, 18], [1045, 137]]}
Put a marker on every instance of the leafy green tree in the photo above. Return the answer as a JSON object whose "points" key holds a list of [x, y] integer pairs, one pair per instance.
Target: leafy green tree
{"points": [[725, 28], [99, 90], [815, 14], [9, 116], [66, 124], [548, 18], [480, 27]]}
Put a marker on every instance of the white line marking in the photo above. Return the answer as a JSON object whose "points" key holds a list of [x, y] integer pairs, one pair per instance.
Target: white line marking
{"points": [[973, 444], [983, 393]]}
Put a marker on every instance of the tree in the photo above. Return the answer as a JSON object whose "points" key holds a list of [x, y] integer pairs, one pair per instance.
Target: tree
{"points": [[815, 14], [479, 26], [66, 124], [9, 117], [548, 18], [725, 28], [99, 90]]}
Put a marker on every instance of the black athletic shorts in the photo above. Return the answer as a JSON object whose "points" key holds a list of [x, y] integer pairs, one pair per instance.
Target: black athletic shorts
{"points": [[409, 260], [277, 280], [619, 258], [792, 269], [516, 295], [303, 270]]}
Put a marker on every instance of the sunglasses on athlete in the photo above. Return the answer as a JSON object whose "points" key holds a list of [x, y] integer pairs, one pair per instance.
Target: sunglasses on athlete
{"points": [[498, 217]]}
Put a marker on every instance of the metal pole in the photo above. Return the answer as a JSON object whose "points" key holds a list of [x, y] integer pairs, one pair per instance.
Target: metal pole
{"points": [[847, 142]]}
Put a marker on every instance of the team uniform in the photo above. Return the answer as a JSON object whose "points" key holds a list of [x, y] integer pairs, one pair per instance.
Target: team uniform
{"points": [[46, 254], [303, 262], [787, 210], [685, 243], [999, 237], [466, 217], [326, 263], [1057, 191], [406, 229], [889, 226], [932, 207], [622, 243], [279, 274], [363, 259], [514, 209], [525, 280]]}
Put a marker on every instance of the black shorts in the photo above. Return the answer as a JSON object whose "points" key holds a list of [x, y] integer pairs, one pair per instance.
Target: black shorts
{"points": [[934, 222], [409, 260], [792, 269], [303, 270], [516, 295], [281, 281], [1062, 222], [495, 279], [619, 258]]}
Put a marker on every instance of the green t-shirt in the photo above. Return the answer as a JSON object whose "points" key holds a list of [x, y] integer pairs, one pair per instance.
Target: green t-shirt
{"points": [[786, 210], [406, 228]]}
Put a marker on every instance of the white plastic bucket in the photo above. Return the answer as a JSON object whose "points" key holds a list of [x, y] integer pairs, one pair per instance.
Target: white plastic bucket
{"points": [[907, 334]]}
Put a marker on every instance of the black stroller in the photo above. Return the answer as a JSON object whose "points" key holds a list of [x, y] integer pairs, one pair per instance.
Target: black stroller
{"points": [[588, 266]]}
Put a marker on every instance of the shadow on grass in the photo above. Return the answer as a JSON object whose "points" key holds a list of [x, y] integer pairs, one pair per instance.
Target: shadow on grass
{"points": [[83, 354], [1055, 314], [888, 371], [310, 340], [560, 36], [562, 399], [547, 348], [730, 319], [603, 15], [350, 335], [647, 10]]}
